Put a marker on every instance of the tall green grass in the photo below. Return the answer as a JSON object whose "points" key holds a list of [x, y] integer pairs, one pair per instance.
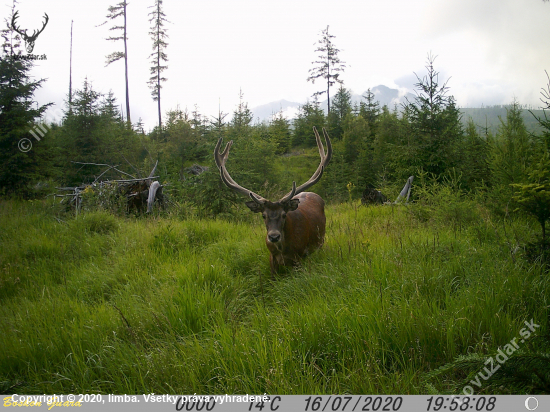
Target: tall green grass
{"points": [[106, 304]]}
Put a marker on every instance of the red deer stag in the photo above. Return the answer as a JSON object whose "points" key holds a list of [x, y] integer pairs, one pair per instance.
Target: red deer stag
{"points": [[296, 223]]}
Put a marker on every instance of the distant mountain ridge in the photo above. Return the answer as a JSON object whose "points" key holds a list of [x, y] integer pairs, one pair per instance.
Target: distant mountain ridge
{"points": [[390, 97], [383, 94], [485, 117], [491, 117], [266, 111]]}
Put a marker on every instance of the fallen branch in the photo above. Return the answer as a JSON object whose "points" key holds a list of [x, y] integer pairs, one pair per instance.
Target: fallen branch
{"points": [[104, 164], [140, 194]]}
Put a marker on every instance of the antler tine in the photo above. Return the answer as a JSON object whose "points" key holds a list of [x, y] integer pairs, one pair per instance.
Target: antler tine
{"points": [[289, 195], [220, 159], [329, 147], [43, 26], [325, 159], [17, 29], [319, 143], [35, 33]]}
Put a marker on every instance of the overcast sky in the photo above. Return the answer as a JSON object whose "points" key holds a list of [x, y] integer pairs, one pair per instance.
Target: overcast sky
{"points": [[493, 50]]}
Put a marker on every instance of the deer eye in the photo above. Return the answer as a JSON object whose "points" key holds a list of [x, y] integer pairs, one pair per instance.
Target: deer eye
{"points": [[283, 215], [264, 215]]}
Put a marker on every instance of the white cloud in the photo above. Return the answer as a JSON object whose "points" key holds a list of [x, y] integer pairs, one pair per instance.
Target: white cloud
{"points": [[493, 50]]}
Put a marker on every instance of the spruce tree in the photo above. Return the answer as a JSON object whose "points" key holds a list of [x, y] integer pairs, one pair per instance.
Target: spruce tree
{"points": [[435, 124], [159, 37], [19, 168], [534, 195], [474, 155], [279, 133], [356, 129], [310, 115], [12, 40], [369, 109], [329, 66], [511, 150], [218, 125], [82, 140], [109, 107], [392, 146], [241, 123], [94, 132], [341, 108]]}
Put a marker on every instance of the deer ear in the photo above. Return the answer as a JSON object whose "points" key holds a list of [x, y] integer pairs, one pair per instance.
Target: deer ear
{"points": [[292, 205], [255, 207]]}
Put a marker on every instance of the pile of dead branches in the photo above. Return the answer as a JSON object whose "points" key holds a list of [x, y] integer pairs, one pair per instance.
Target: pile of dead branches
{"points": [[136, 194]]}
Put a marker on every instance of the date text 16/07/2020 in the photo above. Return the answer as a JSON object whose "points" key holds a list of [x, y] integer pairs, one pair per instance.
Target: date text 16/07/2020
{"points": [[394, 403]]}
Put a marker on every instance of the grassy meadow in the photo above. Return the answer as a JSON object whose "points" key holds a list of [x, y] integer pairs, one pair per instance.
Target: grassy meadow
{"points": [[172, 304]]}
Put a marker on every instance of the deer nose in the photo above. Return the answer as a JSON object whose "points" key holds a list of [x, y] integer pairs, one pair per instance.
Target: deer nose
{"points": [[274, 238]]}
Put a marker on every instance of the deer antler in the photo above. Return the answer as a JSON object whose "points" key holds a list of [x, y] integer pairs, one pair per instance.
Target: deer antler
{"points": [[36, 33], [221, 158], [325, 159], [14, 27]]}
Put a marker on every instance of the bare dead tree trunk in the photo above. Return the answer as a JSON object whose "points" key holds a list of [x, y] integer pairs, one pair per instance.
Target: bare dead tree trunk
{"points": [[71, 73], [128, 118], [158, 73], [328, 82]]}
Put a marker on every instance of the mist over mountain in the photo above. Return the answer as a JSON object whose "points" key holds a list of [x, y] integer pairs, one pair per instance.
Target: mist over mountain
{"points": [[489, 118], [266, 111], [486, 118], [390, 97], [383, 94]]}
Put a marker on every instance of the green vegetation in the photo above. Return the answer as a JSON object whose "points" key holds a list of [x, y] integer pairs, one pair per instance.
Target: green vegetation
{"points": [[401, 299], [116, 305]]}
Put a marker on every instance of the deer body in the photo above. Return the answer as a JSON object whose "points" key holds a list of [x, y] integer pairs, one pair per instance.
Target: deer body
{"points": [[295, 224], [303, 232]]}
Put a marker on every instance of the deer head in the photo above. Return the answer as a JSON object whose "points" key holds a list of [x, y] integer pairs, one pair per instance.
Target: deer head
{"points": [[29, 40], [274, 213]]}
